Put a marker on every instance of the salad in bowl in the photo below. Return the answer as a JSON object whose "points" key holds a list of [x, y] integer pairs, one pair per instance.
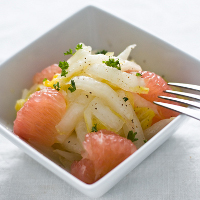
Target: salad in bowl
{"points": [[92, 110]]}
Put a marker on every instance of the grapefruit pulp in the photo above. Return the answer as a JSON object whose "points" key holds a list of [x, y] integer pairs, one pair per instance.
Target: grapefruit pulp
{"points": [[37, 119], [157, 85], [105, 150], [48, 73]]}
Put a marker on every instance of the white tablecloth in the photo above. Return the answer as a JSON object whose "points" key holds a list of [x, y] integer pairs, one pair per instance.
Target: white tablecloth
{"points": [[173, 170]]}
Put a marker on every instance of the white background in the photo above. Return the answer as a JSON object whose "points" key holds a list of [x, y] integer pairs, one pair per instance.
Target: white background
{"points": [[173, 170]]}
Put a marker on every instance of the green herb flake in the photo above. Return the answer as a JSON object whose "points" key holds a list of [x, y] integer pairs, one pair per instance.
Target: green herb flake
{"points": [[56, 86], [94, 128], [113, 63], [102, 52], [145, 141], [125, 99], [64, 66], [72, 87], [138, 74], [63, 73], [68, 52], [131, 136], [45, 79], [79, 46]]}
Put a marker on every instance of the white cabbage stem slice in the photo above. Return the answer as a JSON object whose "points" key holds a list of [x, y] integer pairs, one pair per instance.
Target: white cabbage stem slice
{"points": [[136, 126], [77, 63], [125, 54], [103, 91], [68, 156], [81, 130], [133, 124], [104, 114], [66, 126], [98, 59], [80, 61], [79, 96], [107, 117], [72, 144], [109, 54], [80, 54], [117, 78], [83, 58], [74, 69], [88, 119], [72, 116], [128, 66], [155, 128], [139, 101], [71, 97]]}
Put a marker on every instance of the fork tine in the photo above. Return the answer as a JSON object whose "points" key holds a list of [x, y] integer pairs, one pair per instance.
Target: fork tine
{"points": [[187, 111], [185, 85], [184, 94], [184, 101]]}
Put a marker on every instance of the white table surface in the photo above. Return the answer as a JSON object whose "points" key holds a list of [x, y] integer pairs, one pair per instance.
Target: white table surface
{"points": [[173, 170]]}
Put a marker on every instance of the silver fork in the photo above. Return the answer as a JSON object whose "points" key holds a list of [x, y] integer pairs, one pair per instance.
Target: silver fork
{"points": [[185, 110]]}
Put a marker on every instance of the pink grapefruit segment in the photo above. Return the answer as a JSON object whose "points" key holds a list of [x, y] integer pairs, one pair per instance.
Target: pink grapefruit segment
{"points": [[48, 73], [157, 85], [84, 170], [106, 150], [37, 119]]}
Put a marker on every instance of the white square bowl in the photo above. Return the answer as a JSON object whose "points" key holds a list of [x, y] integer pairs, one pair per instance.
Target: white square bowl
{"points": [[100, 30]]}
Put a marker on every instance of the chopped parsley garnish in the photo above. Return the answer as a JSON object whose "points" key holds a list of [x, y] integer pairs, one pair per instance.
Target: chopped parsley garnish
{"points": [[45, 79], [64, 66], [113, 63], [68, 52], [64, 72], [56, 86], [102, 52], [138, 74], [94, 128], [72, 87], [145, 141], [125, 99], [131, 136], [79, 46]]}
